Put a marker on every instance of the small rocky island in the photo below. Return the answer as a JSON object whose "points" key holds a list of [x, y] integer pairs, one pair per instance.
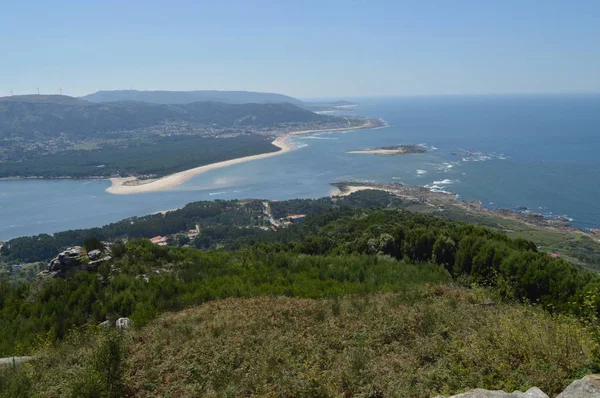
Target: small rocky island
{"points": [[394, 150]]}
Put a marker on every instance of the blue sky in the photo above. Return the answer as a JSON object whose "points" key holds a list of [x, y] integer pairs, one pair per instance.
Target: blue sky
{"points": [[302, 48]]}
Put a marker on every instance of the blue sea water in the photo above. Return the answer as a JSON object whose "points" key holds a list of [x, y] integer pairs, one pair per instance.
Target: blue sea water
{"points": [[507, 151]]}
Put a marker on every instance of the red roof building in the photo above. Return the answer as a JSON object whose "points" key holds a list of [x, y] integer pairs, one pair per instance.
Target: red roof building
{"points": [[159, 240]]}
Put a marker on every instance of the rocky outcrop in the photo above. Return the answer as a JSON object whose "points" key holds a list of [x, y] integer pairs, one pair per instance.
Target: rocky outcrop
{"points": [[74, 259], [105, 324], [588, 387], [93, 265], [68, 259], [123, 323], [94, 254], [533, 392]]}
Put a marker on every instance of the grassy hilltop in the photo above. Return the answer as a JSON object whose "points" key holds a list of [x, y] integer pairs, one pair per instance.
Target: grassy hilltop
{"points": [[354, 301], [414, 343]]}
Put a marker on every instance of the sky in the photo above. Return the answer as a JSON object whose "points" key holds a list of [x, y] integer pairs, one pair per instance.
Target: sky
{"points": [[303, 48]]}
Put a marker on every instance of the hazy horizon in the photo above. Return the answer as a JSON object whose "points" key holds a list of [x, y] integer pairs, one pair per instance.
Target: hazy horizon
{"points": [[305, 50], [349, 97]]}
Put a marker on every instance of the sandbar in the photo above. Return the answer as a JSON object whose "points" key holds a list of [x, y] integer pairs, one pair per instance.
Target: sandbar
{"points": [[393, 150], [133, 185]]}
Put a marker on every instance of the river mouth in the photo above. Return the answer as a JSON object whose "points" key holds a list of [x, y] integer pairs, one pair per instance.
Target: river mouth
{"points": [[472, 153]]}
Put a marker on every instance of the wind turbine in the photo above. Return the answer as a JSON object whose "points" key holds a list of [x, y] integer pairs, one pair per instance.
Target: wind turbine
{"points": [[60, 90], [38, 89]]}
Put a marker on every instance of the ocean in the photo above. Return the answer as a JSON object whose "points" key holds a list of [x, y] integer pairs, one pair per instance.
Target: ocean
{"points": [[537, 151]]}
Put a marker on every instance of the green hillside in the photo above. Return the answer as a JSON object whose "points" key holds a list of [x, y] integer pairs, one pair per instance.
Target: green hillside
{"points": [[50, 116], [354, 301], [52, 136]]}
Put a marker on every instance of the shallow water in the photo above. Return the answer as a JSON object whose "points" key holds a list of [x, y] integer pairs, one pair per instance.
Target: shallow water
{"points": [[533, 151]]}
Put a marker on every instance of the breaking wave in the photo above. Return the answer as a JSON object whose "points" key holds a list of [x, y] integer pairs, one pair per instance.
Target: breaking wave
{"points": [[314, 137], [445, 182], [477, 156]]}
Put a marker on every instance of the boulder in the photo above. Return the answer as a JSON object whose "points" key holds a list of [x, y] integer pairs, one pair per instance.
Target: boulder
{"points": [[93, 265], [104, 324], [69, 258], [588, 387], [94, 254], [70, 253], [533, 392], [14, 360], [123, 323]]}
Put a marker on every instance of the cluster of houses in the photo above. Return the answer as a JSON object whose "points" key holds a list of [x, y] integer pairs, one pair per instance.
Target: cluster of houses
{"points": [[292, 219], [159, 240], [163, 240], [193, 233]]}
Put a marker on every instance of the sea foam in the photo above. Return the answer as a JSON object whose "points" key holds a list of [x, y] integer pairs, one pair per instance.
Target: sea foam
{"points": [[445, 182]]}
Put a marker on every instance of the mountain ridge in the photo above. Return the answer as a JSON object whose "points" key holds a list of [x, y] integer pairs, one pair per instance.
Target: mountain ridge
{"points": [[169, 97], [51, 115]]}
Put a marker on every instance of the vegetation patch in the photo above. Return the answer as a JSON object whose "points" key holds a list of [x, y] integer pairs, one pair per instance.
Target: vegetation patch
{"points": [[416, 343]]}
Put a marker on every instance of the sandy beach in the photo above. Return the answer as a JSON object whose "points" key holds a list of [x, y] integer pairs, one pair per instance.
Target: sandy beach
{"points": [[350, 189], [132, 185]]}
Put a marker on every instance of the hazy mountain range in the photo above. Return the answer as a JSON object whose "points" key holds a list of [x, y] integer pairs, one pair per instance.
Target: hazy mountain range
{"points": [[45, 116], [186, 97]]}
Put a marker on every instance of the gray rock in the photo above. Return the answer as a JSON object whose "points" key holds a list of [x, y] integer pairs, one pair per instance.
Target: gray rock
{"points": [[588, 387], [533, 392], [53, 265], [123, 323], [49, 274], [67, 258], [69, 261], [93, 265], [94, 254], [69, 254], [104, 324], [14, 360]]}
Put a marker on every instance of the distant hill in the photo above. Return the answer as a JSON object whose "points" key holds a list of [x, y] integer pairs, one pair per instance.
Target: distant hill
{"points": [[186, 97], [328, 106], [47, 116], [56, 99]]}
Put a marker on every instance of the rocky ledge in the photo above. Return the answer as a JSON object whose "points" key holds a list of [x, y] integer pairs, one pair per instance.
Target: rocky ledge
{"points": [[588, 387], [74, 259]]}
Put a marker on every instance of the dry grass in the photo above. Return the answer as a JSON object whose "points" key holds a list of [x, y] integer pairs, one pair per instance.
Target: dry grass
{"points": [[410, 345], [414, 344]]}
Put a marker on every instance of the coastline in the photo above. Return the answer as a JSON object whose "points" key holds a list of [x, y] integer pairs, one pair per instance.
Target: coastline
{"points": [[442, 201], [132, 185]]}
